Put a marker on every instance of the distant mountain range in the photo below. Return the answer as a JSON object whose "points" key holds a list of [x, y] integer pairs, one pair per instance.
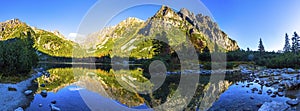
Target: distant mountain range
{"points": [[50, 43], [125, 36], [177, 26]]}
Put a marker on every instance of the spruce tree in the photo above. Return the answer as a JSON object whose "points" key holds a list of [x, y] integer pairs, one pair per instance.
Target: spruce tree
{"points": [[287, 46], [261, 47], [295, 43]]}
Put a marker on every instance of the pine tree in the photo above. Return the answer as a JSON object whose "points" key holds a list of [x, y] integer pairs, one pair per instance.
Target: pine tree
{"points": [[287, 46], [295, 43], [261, 47]]}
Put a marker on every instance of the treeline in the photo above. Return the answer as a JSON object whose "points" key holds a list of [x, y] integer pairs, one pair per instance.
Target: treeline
{"points": [[288, 58], [17, 56], [268, 59]]}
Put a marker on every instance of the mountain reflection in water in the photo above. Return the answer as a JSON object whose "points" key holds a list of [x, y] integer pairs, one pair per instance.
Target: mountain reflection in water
{"points": [[97, 89]]}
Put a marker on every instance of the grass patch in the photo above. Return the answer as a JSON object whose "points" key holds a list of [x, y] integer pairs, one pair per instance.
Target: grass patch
{"points": [[13, 79]]}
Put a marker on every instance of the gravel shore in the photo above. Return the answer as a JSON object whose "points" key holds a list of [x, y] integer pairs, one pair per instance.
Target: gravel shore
{"points": [[11, 100]]}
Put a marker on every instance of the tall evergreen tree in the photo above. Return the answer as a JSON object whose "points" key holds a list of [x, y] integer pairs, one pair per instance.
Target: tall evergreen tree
{"points": [[287, 46], [295, 43], [261, 47]]}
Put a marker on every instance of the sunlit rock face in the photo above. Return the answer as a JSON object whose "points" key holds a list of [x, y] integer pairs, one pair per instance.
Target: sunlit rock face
{"points": [[176, 26]]}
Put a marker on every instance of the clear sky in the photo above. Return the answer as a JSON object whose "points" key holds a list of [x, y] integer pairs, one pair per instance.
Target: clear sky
{"points": [[243, 20]]}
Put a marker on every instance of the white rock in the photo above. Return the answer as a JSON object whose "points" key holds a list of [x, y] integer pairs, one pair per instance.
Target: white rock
{"points": [[28, 92], [19, 109], [290, 70], [273, 106], [54, 108]]}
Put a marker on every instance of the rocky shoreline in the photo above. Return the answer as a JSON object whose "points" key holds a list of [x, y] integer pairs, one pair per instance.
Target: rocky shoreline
{"points": [[263, 90], [17, 96]]}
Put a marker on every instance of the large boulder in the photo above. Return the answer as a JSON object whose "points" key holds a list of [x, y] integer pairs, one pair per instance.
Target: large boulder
{"points": [[290, 70], [273, 106], [293, 102]]}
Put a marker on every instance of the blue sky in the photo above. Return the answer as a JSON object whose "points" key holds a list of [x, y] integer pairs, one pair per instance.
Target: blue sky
{"points": [[243, 20]]}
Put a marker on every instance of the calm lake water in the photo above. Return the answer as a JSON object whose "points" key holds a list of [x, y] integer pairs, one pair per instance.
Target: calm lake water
{"points": [[85, 89]]}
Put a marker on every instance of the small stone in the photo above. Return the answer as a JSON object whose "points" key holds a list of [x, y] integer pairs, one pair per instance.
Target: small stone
{"points": [[44, 93], [259, 105], [273, 95], [251, 97], [268, 84], [11, 88], [261, 83], [280, 89], [248, 85], [40, 105], [269, 91], [254, 89], [28, 92], [280, 94], [260, 92], [292, 102], [53, 102]]}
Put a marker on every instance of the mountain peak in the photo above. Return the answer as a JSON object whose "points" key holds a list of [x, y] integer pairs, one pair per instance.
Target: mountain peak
{"points": [[165, 11], [13, 22]]}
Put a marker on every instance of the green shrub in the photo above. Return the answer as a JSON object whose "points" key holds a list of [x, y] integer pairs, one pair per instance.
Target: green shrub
{"points": [[17, 56]]}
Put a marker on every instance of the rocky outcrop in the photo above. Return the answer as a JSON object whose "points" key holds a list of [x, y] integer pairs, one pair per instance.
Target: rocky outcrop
{"points": [[208, 27]]}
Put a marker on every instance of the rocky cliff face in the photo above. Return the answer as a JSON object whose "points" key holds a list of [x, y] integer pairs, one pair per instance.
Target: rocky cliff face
{"points": [[166, 18], [205, 25], [201, 30]]}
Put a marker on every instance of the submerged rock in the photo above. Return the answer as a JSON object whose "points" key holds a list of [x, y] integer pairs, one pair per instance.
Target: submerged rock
{"points": [[44, 93], [273, 95], [273, 106], [11, 88], [260, 92], [53, 102], [254, 89], [292, 102]]}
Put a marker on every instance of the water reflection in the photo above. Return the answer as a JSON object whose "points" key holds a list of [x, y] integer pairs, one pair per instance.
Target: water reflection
{"points": [[82, 88]]}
